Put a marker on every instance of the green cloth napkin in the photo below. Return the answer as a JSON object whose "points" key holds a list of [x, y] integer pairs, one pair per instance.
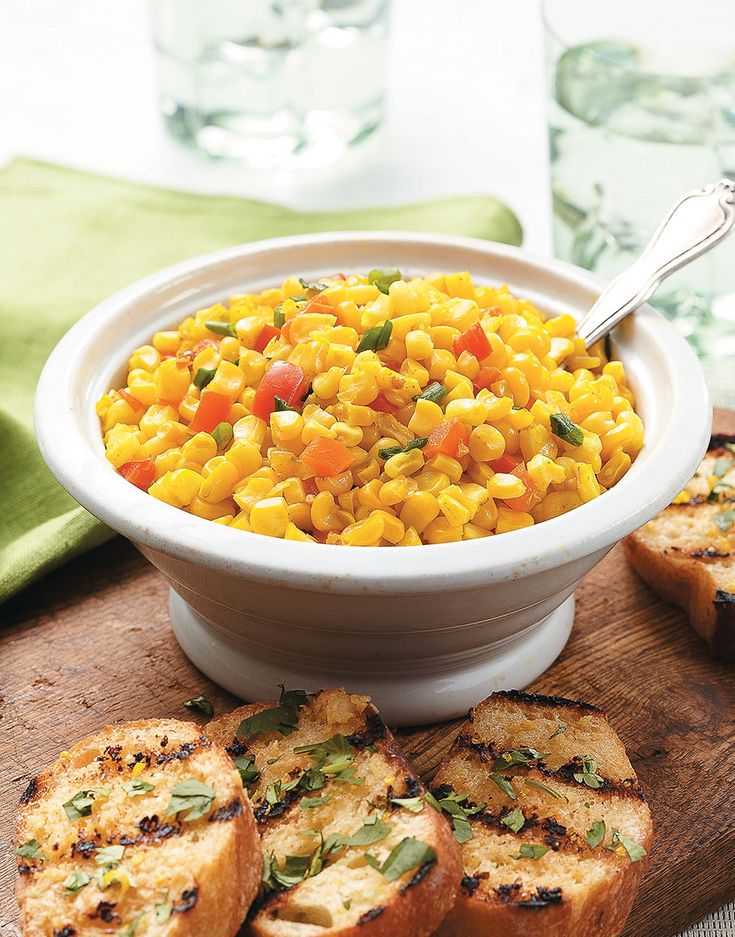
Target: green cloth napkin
{"points": [[71, 239]]}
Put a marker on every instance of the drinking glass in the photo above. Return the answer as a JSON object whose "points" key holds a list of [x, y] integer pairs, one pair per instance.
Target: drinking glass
{"points": [[271, 82], [642, 109]]}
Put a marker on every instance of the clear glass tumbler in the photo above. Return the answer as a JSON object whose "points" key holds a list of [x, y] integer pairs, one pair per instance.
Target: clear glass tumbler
{"points": [[271, 82], [643, 109]]}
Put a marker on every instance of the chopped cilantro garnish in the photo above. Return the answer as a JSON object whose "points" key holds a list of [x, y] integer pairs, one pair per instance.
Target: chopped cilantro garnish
{"points": [[282, 718], [200, 703], [191, 795], [383, 278]]}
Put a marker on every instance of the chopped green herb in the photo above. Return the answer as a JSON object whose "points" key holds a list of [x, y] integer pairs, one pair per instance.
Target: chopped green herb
{"points": [[372, 831], [372, 860], [412, 804], [137, 787], [248, 772], [279, 316], [309, 803], [547, 790], [724, 520], [295, 869], [282, 718], [560, 730], [109, 855], [222, 434], [316, 287], [282, 406], [383, 278], [458, 809], [203, 377], [390, 451], [565, 429], [132, 927], [505, 786], [376, 338], [409, 854], [191, 795], [434, 392], [719, 491], [347, 904], [75, 882], [201, 704], [30, 850], [588, 775], [331, 756], [80, 804], [222, 328], [163, 909], [595, 834], [531, 851], [514, 820], [516, 756], [635, 851], [722, 466]]}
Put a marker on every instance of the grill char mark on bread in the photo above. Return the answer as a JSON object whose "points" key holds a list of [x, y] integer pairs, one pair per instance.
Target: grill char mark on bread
{"points": [[348, 897], [572, 887], [687, 559], [209, 865]]}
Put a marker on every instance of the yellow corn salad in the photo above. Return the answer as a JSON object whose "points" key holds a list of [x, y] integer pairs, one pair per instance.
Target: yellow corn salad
{"points": [[373, 411]]}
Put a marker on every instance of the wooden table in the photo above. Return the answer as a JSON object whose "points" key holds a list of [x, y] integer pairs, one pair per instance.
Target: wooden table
{"points": [[91, 644]]}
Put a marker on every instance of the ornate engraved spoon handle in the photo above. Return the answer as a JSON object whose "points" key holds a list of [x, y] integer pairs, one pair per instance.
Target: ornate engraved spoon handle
{"points": [[697, 222]]}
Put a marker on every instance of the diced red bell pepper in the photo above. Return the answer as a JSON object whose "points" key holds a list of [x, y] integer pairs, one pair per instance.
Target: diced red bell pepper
{"points": [[266, 334], [205, 343], [446, 438], [284, 380], [317, 303], [140, 473], [328, 457], [212, 410], [310, 486], [383, 405], [474, 341], [530, 497], [132, 401], [506, 463], [485, 379]]}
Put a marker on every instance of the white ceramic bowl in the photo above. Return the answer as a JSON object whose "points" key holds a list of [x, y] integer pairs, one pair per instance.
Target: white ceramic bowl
{"points": [[427, 631]]}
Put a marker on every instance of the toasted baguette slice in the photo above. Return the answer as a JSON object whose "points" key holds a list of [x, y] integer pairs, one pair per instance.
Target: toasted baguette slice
{"points": [[687, 553], [348, 791], [532, 864], [161, 874]]}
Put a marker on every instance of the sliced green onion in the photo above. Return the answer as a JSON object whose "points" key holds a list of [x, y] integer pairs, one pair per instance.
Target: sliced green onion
{"points": [[383, 278], [565, 429], [279, 316], [725, 519], [318, 287], [203, 377], [722, 466], [222, 434], [282, 406], [376, 338], [434, 392], [222, 328], [390, 451]]}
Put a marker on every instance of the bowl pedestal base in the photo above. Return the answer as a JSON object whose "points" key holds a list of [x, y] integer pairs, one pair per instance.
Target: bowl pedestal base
{"points": [[403, 693]]}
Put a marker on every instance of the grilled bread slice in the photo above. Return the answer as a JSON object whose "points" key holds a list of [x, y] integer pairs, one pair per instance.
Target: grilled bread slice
{"points": [[554, 823], [687, 553], [144, 829], [350, 847]]}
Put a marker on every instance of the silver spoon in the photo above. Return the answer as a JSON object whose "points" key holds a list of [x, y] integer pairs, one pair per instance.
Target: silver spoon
{"points": [[698, 221]]}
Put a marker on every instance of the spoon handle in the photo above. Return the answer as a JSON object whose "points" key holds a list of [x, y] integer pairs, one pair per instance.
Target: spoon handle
{"points": [[697, 222]]}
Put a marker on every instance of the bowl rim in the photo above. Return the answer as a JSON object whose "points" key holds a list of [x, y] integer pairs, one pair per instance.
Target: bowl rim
{"points": [[593, 527]]}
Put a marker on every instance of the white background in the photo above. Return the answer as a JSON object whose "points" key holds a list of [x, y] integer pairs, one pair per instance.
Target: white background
{"points": [[466, 113]]}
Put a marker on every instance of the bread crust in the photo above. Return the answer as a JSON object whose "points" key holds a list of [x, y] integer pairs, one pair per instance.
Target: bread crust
{"points": [[415, 904], [685, 558], [210, 866], [523, 903]]}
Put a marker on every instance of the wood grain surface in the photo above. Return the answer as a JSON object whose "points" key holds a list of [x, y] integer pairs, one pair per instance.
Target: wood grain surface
{"points": [[91, 644]]}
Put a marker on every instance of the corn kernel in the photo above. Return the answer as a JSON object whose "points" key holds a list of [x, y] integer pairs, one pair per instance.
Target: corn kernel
{"points": [[512, 520], [405, 463], [502, 485], [420, 510], [441, 531], [270, 517]]}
